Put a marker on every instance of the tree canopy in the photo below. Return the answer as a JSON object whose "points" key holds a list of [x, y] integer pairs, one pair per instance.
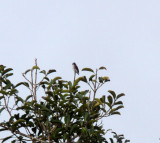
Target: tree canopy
{"points": [[64, 114]]}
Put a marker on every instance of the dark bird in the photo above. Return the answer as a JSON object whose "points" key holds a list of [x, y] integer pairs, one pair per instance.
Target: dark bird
{"points": [[75, 68]]}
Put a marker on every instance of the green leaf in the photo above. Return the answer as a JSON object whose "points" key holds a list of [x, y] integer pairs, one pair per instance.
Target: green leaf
{"points": [[22, 83], [7, 138], [77, 81], [91, 77], [7, 70], [100, 79], [51, 71], [87, 69], [3, 92], [18, 121], [98, 100], [112, 93], [111, 140], [116, 113], [126, 141], [84, 79], [67, 119], [1, 109], [106, 78], [72, 128], [102, 68], [56, 78], [35, 67], [19, 99], [119, 102], [97, 104], [43, 71], [109, 105], [115, 109], [103, 99], [120, 95], [13, 91], [3, 129], [110, 99], [27, 71], [8, 75], [119, 107], [86, 116], [28, 97]]}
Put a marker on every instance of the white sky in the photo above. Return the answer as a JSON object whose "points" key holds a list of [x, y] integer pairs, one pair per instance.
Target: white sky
{"points": [[122, 35]]}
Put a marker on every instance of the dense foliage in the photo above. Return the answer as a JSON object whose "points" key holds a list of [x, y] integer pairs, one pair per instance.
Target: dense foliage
{"points": [[64, 113]]}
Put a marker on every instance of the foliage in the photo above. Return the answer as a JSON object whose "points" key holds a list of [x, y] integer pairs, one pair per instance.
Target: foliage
{"points": [[64, 114]]}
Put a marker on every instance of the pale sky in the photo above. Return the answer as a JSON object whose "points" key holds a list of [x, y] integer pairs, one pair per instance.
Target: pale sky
{"points": [[123, 35]]}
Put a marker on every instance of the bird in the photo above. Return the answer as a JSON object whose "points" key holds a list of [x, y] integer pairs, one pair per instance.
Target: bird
{"points": [[75, 68]]}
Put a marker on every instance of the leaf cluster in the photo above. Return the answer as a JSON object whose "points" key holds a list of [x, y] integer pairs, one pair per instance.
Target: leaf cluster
{"points": [[65, 114]]}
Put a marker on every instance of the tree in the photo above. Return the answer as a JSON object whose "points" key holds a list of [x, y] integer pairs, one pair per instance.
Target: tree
{"points": [[64, 113]]}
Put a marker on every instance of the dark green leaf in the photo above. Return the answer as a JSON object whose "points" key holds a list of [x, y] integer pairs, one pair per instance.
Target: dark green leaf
{"points": [[119, 102], [73, 127], [18, 121], [22, 83], [3, 129], [1, 109], [120, 95], [51, 71], [1, 97], [3, 92], [28, 97], [8, 75], [91, 77], [87, 69], [111, 140], [43, 71], [112, 93], [101, 79], [27, 71], [116, 113], [7, 70], [7, 138], [110, 99]]}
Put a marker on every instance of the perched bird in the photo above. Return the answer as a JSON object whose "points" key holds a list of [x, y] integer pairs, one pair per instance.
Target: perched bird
{"points": [[75, 68]]}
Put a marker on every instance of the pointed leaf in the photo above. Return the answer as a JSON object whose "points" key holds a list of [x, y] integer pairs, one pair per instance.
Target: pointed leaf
{"points": [[116, 113], [8, 75], [27, 71], [51, 71], [1, 109], [87, 69], [102, 68], [119, 102], [110, 99], [91, 77], [111, 140], [112, 93], [7, 70], [100, 79], [7, 138], [120, 95], [56, 78], [43, 71]]}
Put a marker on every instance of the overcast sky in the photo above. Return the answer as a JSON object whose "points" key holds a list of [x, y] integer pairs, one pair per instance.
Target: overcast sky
{"points": [[123, 35]]}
